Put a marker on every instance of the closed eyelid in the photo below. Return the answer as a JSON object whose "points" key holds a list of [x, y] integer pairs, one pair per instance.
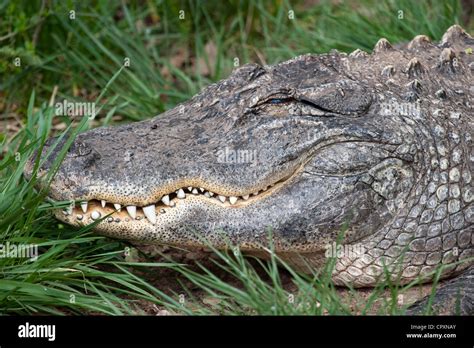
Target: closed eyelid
{"points": [[301, 100]]}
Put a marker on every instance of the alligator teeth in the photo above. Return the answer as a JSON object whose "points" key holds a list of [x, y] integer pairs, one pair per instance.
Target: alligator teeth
{"points": [[132, 211], [95, 215], [166, 200], [181, 194], [150, 212], [84, 207]]}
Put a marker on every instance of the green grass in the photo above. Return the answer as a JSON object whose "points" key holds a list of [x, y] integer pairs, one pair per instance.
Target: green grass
{"points": [[171, 59], [82, 53]]}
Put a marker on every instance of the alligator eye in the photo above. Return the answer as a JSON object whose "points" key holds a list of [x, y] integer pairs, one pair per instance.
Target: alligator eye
{"points": [[284, 106], [280, 100]]}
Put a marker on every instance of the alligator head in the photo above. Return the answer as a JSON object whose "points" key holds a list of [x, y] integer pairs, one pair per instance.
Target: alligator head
{"points": [[378, 146]]}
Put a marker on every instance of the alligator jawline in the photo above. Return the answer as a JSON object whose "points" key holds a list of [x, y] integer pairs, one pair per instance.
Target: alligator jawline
{"points": [[100, 208]]}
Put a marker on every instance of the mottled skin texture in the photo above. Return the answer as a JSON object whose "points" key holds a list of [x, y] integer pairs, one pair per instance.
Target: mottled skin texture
{"points": [[381, 143]]}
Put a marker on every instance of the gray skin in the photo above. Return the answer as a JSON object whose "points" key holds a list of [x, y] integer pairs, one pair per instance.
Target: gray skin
{"points": [[378, 146]]}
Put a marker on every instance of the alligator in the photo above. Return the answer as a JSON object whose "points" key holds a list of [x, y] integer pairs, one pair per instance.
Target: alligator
{"points": [[371, 151]]}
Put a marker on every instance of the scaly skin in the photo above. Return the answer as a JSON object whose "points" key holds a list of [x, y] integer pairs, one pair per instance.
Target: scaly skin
{"points": [[381, 143]]}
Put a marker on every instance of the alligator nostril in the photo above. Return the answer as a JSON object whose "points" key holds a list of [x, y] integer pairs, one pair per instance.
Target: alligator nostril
{"points": [[79, 149]]}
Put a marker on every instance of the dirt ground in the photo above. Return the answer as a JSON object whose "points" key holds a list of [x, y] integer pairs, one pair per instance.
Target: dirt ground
{"points": [[167, 280]]}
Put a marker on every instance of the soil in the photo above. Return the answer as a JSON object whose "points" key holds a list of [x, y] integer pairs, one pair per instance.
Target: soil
{"points": [[171, 282]]}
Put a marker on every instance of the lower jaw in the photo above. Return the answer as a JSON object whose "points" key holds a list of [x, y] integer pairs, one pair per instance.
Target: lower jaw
{"points": [[96, 210], [181, 213], [176, 227], [169, 218]]}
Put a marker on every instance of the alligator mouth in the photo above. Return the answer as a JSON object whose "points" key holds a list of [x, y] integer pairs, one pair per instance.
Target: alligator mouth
{"points": [[97, 209]]}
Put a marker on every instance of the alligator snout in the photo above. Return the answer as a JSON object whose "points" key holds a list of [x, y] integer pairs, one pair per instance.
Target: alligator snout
{"points": [[306, 149]]}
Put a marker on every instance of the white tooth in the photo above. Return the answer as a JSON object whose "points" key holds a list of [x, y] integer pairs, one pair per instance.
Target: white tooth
{"points": [[150, 213], [166, 200], [246, 197], [84, 207], [117, 206], [207, 194], [190, 188], [222, 198], [181, 194], [95, 215], [255, 193], [195, 192], [132, 211], [68, 210], [232, 199], [103, 203], [211, 193], [202, 190], [172, 204]]}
